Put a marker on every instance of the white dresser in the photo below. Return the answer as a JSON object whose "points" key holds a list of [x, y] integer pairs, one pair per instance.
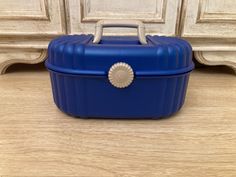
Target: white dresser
{"points": [[26, 26]]}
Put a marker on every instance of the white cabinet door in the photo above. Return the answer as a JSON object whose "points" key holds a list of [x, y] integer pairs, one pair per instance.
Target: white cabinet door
{"points": [[210, 26], [209, 18], [31, 17], [160, 16]]}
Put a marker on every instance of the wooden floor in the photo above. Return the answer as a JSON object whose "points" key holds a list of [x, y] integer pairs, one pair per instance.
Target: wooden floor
{"points": [[36, 139]]}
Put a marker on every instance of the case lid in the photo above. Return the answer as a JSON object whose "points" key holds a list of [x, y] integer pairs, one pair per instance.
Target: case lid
{"points": [[77, 54], [95, 55]]}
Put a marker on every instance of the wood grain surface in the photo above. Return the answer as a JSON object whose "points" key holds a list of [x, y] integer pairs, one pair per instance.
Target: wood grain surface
{"points": [[37, 140]]}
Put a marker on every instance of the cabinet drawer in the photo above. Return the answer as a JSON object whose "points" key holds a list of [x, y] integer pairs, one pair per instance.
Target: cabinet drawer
{"points": [[32, 17], [209, 18]]}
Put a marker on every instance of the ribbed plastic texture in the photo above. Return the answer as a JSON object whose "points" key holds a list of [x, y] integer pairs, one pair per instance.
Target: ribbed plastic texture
{"points": [[96, 97], [79, 76], [161, 56]]}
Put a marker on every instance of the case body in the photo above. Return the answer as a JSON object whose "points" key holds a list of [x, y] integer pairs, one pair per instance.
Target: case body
{"points": [[79, 75]]}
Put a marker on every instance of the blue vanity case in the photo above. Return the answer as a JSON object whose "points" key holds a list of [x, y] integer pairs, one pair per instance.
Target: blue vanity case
{"points": [[119, 76]]}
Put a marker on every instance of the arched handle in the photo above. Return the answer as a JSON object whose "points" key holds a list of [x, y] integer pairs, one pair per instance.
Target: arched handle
{"points": [[120, 23]]}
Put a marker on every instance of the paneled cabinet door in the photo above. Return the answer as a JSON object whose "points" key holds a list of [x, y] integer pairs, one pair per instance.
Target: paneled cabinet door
{"points": [[159, 16], [209, 18], [26, 26], [31, 17], [210, 25]]}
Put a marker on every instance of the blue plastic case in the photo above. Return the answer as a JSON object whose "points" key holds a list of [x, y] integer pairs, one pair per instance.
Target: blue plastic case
{"points": [[81, 87]]}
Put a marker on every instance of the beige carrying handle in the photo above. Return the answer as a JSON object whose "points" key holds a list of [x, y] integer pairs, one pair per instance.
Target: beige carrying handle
{"points": [[120, 23]]}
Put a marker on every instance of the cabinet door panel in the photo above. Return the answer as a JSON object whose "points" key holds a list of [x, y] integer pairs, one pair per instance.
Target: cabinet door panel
{"points": [[32, 17], [160, 16], [209, 18]]}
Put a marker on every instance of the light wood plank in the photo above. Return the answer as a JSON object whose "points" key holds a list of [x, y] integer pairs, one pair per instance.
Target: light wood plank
{"points": [[36, 139]]}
